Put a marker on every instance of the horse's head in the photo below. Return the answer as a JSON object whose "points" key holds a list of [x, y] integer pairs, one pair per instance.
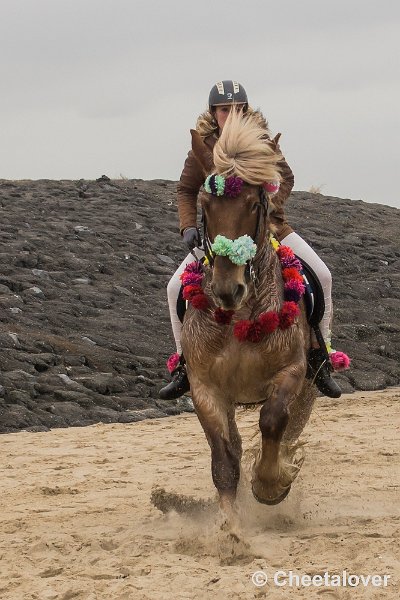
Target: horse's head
{"points": [[233, 202]]}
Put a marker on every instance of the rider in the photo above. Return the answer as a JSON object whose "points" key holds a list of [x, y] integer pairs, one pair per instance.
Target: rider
{"points": [[210, 124]]}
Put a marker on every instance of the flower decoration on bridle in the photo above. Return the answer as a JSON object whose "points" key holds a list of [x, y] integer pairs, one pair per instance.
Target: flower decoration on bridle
{"points": [[217, 185], [239, 251]]}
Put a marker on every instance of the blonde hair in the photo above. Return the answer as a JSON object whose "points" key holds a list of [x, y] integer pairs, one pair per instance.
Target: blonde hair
{"points": [[244, 150]]}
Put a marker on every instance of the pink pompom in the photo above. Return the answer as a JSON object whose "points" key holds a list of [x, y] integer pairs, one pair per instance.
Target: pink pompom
{"points": [[191, 278], [271, 187], [339, 361], [194, 267], [294, 290], [173, 362]]}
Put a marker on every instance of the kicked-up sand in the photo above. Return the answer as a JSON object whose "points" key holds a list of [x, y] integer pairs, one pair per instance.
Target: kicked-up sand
{"points": [[78, 516]]}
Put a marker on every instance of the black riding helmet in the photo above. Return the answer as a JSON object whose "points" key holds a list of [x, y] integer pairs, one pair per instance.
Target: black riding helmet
{"points": [[227, 92]]}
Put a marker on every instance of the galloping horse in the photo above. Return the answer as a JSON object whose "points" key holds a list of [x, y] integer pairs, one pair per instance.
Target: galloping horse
{"points": [[242, 344]]}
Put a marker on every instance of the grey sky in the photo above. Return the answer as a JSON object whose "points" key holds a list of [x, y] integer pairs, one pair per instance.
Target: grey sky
{"points": [[94, 86]]}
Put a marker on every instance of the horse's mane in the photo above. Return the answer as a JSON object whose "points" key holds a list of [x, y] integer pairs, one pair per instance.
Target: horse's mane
{"points": [[206, 124], [244, 150]]}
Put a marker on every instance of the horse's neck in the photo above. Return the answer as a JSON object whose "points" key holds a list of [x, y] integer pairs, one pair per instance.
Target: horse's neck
{"points": [[269, 286]]}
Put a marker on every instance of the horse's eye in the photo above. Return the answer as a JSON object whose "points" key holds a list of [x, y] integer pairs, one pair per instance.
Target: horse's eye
{"points": [[255, 206]]}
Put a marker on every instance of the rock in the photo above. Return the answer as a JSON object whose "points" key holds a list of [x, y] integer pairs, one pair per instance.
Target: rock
{"points": [[97, 334], [166, 259], [41, 273], [80, 229], [103, 383], [88, 340], [122, 290], [35, 291], [368, 380]]}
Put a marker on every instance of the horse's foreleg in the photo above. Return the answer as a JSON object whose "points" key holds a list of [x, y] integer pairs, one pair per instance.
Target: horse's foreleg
{"points": [[223, 437], [271, 482]]}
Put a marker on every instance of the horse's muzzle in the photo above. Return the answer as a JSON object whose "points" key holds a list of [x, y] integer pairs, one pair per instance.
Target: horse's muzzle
{"points": [[228, 296]]}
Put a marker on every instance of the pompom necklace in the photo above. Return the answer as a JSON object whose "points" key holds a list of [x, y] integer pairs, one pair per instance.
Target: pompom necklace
{"points": [[267, 322]]}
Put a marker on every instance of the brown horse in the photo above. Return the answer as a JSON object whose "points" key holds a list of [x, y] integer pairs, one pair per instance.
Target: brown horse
{"points": [[223, 371]]}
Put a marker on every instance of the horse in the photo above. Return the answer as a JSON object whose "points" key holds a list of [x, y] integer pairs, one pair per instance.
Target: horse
{"points": [[235, 355]]}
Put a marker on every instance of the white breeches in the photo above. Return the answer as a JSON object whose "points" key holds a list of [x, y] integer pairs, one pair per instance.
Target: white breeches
{"points": [[299, 247]]}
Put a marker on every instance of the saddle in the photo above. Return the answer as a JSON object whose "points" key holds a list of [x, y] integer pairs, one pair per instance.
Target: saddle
{"points": [[313, 297]]}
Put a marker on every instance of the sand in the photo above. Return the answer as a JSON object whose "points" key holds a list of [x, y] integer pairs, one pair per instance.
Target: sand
{"points": [[77, 520]]}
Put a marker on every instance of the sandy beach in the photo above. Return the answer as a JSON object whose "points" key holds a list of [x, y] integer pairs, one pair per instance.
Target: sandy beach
{"points": [[77, 520]]}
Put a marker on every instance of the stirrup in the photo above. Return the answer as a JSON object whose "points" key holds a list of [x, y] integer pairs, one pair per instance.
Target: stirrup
{"points": [[319, 370], [178, 386]]}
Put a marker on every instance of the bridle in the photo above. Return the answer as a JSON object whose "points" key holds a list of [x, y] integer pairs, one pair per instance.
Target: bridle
{"points": [[262, 213]]}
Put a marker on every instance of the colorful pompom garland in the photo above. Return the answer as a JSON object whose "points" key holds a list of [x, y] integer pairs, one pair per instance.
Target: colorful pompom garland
{"points": [[246, 330], [217, 185], [255, 331]]}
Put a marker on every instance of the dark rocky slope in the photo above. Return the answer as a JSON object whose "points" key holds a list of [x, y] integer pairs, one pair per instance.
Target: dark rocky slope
{"points": [[84, 323]]}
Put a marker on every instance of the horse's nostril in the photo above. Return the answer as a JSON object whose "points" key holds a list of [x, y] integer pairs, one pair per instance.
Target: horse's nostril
{"points": [[239, 292]]}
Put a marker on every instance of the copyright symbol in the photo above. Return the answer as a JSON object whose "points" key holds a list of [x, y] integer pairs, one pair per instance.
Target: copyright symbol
{"points": [[259, 578]]}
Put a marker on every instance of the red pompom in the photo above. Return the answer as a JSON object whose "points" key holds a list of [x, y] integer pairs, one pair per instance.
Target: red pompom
{"points": [[255, 332], [291, 273], [284, 252], [223, 317], [288, 314], [269, 321], [200, 301], [191, 290], [241, 330]]}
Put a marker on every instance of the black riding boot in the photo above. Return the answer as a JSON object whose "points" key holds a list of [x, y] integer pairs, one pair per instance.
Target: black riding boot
{"points": [[178, 386], [319, 370]]}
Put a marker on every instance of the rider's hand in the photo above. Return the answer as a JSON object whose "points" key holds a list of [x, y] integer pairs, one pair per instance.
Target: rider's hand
{"points": [[192, 238]]}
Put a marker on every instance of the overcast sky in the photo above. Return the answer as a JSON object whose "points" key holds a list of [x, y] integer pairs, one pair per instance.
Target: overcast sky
{"points": [[113, 86]]}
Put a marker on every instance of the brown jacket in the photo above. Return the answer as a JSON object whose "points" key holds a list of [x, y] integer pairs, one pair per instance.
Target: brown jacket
{"points": [[192, 179]]}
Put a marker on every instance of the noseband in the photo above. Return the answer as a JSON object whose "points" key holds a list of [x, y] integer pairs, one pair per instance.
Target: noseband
{"points": [[262, 211]]}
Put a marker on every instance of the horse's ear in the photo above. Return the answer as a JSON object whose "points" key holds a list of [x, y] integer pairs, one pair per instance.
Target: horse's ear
{"points": [[275, 141], [202, 153]]}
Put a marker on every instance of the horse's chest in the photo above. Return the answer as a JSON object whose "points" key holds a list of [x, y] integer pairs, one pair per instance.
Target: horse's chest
{"points": [[245, 371]]}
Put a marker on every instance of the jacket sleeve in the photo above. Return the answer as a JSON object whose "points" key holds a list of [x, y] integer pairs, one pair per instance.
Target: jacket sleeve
{"points": [[191, 180]]}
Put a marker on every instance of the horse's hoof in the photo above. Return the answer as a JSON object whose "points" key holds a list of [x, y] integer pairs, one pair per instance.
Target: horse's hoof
{"points": [[276, 500]]}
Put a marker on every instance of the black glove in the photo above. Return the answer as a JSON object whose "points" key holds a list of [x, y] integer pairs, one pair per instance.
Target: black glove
{"points": [[192, 238]]}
